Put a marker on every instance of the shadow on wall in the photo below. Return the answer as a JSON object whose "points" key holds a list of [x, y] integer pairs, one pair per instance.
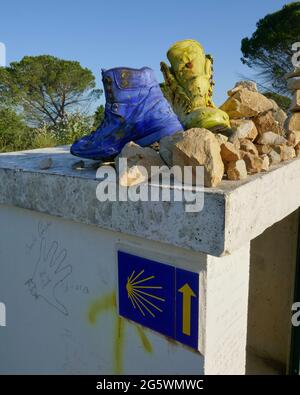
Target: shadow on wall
{"points": [[272, 275]]}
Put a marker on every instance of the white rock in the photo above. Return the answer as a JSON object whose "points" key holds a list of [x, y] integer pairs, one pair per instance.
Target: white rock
{"points": [[253, 162], [237, 170], [266, 122], [293, 122], [221, 138], [295, 104], [286, 152], [293, 83], [246, 103], [250, 85], [274, 157], [166, 146], [294, 138], [229, 152], [243, 129], [139, 164], [263, 149], [265, 163], [248, 146], [199, 147], [270, 138]]}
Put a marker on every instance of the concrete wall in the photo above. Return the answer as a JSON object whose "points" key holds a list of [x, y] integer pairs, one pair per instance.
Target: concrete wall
{"points": [[62, 313], [272, 271], [226, 318], [72, 326]]}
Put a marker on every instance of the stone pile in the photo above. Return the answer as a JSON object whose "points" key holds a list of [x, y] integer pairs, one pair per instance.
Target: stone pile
{"points": [[293, 121], [261, 135], [258, 132]]}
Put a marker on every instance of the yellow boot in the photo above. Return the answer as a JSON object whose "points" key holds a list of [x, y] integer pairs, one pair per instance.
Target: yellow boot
{"points": [[189, 86]]}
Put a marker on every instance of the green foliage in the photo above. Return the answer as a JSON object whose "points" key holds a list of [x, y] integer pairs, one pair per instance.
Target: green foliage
{"points": [[49, 93], [269, 49], [99, 116], [46, 88], [44, 137], [66, 132], [283, 102], [75, 125], [14, 133]]}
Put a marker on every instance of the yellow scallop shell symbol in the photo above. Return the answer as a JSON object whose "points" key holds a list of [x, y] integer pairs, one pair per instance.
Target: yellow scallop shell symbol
{"points": [[141, 292]]}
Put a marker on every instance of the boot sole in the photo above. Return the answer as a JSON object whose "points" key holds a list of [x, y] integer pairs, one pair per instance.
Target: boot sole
{"points": [[145, 141]]}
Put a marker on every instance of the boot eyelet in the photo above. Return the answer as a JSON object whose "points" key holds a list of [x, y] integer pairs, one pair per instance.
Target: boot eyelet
{"points": [[115, 107], [107, 80]]}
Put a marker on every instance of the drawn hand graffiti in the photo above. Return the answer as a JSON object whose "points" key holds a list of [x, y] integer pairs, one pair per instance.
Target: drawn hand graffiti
{"points": [[42, 230], [108, 303], [49, 273]]}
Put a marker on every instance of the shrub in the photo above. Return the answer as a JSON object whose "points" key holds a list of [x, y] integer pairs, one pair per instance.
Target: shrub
{"points": [[44, 137], [76, 125], [14, 133]]}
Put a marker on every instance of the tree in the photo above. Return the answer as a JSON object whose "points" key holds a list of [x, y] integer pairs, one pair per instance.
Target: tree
{"points": [[283, 102], [98, 116], [46, 87], [269, 50]]}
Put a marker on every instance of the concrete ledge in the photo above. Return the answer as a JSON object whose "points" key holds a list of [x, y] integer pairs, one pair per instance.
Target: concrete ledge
{"points": [[233, 213]]}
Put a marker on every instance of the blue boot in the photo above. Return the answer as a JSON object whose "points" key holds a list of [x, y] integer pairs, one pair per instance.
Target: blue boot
{"points": [[135, 110]]}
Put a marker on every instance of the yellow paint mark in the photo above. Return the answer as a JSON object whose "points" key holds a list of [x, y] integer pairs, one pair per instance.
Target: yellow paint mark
{"points": [[144, 340], [108, 302], [119, 345]]}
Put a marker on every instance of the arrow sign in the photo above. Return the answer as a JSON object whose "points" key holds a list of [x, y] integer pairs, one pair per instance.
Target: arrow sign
{"points": [[187, 307], [148, 295], [187, 294]]}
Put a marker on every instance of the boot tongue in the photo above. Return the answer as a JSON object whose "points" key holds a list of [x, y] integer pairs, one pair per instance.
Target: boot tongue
{"points": [[126, 85], [127, 78]]}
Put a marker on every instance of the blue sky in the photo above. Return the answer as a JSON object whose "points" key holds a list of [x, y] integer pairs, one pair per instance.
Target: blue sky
{"points": [[133, 33]]}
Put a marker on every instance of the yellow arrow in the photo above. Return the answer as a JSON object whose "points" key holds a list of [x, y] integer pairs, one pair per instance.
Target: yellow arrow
{"points": [[187, 294]]}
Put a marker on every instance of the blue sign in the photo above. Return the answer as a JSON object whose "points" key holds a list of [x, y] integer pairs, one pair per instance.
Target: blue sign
{"points": [[160, 297], [187, 307], [146, 292]]}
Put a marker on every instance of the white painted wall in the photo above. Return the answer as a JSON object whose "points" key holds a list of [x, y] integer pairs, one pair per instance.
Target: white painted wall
{"points": [[52, 333], [226, 312]]}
